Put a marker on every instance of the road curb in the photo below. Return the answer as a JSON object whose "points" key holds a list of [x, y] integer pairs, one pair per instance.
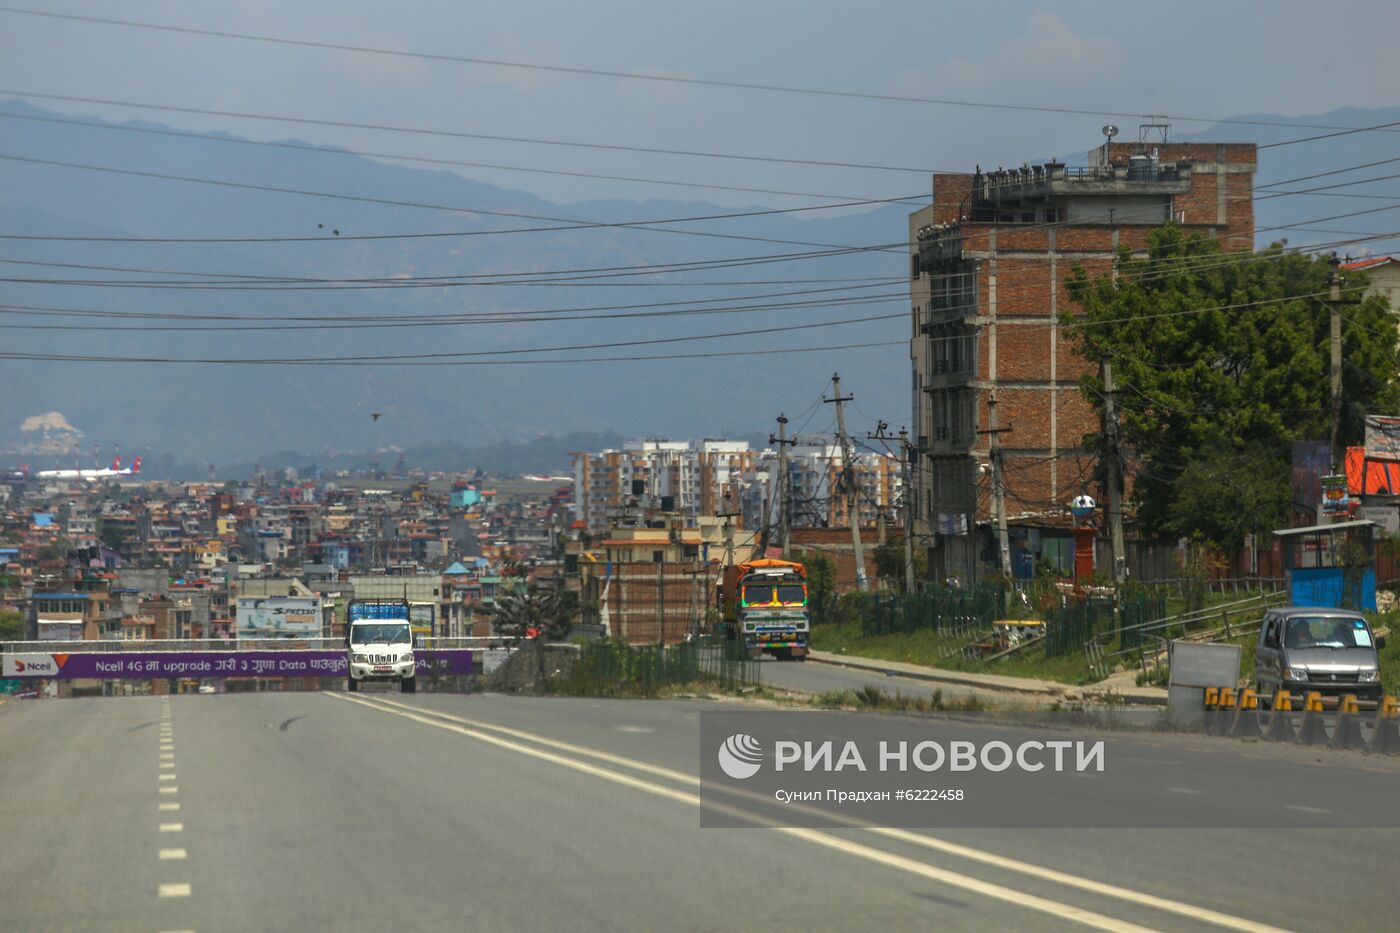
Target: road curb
{"points": [[1127, 698], [873, 666]]}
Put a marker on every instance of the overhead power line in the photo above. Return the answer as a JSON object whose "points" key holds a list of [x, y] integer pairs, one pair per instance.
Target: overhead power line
{"points": [[336, 236], [313, 322], [562, 224], [229, 281], [399, 157], [635, 76], [460, 134], [630, 358]]}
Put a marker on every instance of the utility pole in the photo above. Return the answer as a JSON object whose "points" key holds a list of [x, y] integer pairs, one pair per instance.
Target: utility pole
{"points": [[998, 483], [906, 480], [784, 486], [1113, 482], [907, 483], [728, 536], [848, 468], [661, 602], [1334, 308]]}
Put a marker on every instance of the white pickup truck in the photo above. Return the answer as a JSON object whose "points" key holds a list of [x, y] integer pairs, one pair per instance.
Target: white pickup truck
{"points": [[379, 644]]}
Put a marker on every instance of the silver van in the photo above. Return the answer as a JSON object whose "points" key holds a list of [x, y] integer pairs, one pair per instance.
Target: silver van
{"points": [[1331, 651]]}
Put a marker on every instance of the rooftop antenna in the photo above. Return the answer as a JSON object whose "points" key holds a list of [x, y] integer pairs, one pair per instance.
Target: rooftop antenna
{"points": [[1109, 131], [1153, 126]]}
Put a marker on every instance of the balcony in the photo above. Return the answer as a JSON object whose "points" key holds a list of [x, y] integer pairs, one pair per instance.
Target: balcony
{"points": [[947, 374], [938, 315]]}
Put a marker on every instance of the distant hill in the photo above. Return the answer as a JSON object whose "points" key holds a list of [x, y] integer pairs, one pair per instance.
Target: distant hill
{"points": [[233, 414]]}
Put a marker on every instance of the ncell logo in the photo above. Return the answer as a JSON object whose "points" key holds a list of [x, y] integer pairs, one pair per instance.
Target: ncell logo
{"points": [[741, 756]]}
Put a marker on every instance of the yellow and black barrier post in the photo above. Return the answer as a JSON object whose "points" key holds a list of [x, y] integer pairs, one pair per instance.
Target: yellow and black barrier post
{"points": [[1347, 734], [1246, 724], [1280, 723], [1211, 704], [1313, 730], [1219, 723], [1385, 740]]}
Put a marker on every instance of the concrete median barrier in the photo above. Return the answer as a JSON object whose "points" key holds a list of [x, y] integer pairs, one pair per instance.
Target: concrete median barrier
{"points": [[1313, 730], [1347, 733], [1385, 739], [1219, 723], [1246, 724], [1280, 720]]}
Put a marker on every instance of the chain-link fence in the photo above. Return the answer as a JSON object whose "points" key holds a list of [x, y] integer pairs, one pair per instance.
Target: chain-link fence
{"points": [[954, 613]]}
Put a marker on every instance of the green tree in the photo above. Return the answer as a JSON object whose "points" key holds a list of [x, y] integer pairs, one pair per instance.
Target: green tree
{"points": [[11, 626], [55, 550], [1254, 481], [546, 612], [1224, 361], [890, 559], [821, 585], [112, 534]]}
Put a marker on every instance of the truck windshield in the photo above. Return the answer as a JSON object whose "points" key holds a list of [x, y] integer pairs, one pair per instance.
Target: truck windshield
{"points": [[759, 594], [1324, 632], [378, 633], [792, 594]]}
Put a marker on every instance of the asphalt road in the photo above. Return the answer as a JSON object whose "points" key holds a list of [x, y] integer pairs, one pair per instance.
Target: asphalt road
{"points": [[815, 677], [431, 812]]}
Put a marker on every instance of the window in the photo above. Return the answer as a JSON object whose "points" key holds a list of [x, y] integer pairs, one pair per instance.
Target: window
{"points": [[915, 266], [658, 557]]}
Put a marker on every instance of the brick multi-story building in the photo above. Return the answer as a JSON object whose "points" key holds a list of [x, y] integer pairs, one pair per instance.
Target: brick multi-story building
{"points": [[989, 260]]}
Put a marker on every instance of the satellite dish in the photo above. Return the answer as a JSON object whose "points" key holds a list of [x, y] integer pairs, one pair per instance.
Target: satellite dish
{"points": [[1110, 130]]}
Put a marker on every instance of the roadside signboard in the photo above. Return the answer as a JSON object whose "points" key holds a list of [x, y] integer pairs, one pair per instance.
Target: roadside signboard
{"points": [[279, 617], [144, 665], [1382, 437], [1334, 494], [1195, 666]]}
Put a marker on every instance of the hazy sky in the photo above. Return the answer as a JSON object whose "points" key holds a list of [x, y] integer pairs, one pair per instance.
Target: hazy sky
{"points": [[1184, 59]]}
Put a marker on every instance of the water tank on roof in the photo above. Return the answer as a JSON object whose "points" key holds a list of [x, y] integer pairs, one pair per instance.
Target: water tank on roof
{"points": [[1142, 168]]}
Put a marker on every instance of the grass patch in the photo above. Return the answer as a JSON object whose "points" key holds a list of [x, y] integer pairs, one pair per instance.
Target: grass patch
{"points": [[928, 649], [923, 647], [1071, 668], [871, 697]]}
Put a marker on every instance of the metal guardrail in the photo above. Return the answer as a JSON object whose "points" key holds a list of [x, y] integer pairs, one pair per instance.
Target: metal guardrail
{"points": [[443, 642], [1186, 620], [215, 644], [172, 644]]}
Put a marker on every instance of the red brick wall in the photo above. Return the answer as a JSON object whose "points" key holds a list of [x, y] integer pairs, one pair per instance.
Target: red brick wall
{"points": [[951, 194]]}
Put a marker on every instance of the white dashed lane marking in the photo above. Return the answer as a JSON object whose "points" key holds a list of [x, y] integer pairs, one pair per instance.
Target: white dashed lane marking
{"points": [[173, 890], [167, 777], [168, 790], [170, 806], [171, 855], [172, 827]]}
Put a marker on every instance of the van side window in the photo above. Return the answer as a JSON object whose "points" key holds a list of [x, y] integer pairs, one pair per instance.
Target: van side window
{"points": [[1271, 633]]}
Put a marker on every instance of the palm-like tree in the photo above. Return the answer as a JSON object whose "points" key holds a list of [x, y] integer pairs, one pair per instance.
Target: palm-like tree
{"points": [[546, 612]]}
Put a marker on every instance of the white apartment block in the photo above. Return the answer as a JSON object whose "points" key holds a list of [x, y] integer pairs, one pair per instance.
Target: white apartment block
{"points": [[692, 478]]}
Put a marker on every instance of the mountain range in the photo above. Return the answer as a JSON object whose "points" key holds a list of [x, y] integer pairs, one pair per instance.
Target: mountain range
{"points": [[228, 413]]}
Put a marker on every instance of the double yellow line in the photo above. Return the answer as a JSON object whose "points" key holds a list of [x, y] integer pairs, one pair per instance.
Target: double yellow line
{"points": [[569, 755]]}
